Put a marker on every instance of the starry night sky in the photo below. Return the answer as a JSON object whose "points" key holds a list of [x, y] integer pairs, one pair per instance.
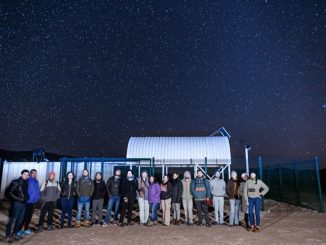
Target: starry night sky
{"points": [[81, 77]]}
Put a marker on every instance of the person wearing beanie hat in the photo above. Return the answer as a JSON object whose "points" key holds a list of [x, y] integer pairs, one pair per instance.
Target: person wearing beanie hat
{"points": [[50, 193], [187, 198], [217, 187], [243, 203], [232, 193], [201, 192]]}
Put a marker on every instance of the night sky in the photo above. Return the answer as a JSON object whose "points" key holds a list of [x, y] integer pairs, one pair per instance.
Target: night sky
{"points": [[81, 77]]}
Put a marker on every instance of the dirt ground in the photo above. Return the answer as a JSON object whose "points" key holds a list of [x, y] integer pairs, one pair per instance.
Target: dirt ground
{"points": [[281, 224]]}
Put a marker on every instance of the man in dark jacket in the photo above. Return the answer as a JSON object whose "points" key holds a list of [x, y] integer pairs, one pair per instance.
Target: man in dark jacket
{"points": [[84, 190], [113, 189], [201, 193], [128, 192], [17, 193], [33, 198], [176, 198]]}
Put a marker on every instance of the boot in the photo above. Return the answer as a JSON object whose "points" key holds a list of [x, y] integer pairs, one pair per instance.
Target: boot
{"points": [[87, 223], [77, 224], [246, 219]]}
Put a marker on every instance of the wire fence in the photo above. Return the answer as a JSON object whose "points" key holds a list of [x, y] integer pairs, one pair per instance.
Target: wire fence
{"points": [[294, 182]]}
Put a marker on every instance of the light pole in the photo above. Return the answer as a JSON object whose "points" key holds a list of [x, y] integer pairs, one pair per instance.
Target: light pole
{"points": [[247, 148]]}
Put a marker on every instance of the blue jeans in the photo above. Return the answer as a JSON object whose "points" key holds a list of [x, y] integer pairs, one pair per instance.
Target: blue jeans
{"points": [[114, 201], [234, 211], [254, 203], [154, 207], [66, 206], [16, 216], [83, 201]]}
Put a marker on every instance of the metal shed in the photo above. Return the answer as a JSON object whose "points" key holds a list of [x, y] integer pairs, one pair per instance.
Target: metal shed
{"points": [[197, 152]]}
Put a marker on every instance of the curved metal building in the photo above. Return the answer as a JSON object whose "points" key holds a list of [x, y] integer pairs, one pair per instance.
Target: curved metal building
{"points": [[181, 151]]}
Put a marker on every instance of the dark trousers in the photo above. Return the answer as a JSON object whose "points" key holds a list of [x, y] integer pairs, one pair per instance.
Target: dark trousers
{"points": [[127, 205], [16, 217], [47, 207], [66, 208], [28, 215], [201, 206]]}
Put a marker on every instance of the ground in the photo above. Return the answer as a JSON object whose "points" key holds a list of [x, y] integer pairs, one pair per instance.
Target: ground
{"points": [[281, 224]]}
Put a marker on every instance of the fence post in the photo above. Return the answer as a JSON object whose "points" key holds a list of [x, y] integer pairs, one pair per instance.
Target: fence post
{"points": [[281, 182], [260, 165], [296, 182], [321, 199], [153, 166], [206, 167]]}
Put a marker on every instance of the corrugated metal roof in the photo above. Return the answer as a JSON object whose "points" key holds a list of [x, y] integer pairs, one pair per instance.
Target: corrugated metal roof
{"points": [[180, 148]]}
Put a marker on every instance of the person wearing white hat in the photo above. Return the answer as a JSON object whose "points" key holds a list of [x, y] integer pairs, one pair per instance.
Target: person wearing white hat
{"points": [[244, 206]]}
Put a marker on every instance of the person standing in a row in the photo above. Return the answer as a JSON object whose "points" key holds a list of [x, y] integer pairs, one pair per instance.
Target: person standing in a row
{"points": [[154, 200], [17, 193], [176, 198], [253, 191], [232, 193], [244, 206], [128, 192], [50, 193], [67, 200], [217, 186], [187, 198], [84, 190], [166, 193], [113, 189], [201, 192], [33, 198], [143, 186], [98, 198]]}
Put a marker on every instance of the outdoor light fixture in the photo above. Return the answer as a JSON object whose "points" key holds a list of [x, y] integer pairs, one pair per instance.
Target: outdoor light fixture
{"points": [[247, 148]]}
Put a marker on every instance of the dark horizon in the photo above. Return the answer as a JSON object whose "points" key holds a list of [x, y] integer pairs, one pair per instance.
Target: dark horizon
{"points": [[81, 78]]}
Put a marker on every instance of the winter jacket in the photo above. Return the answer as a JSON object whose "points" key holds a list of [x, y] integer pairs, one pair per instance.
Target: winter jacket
{"points": [[17, 191], [176, 191], [50, 191], [99, 190], [68, 191], [33, 190], [166, 191], [232, 189], [129, 189], [85, 187], [217, 187], [143, 186], [154, 193], [113, 186], [200, 189], [253, 189], [186, 189]]}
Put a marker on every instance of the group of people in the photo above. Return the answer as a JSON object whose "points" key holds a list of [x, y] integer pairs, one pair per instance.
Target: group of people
{"points": [[122, 193]]}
